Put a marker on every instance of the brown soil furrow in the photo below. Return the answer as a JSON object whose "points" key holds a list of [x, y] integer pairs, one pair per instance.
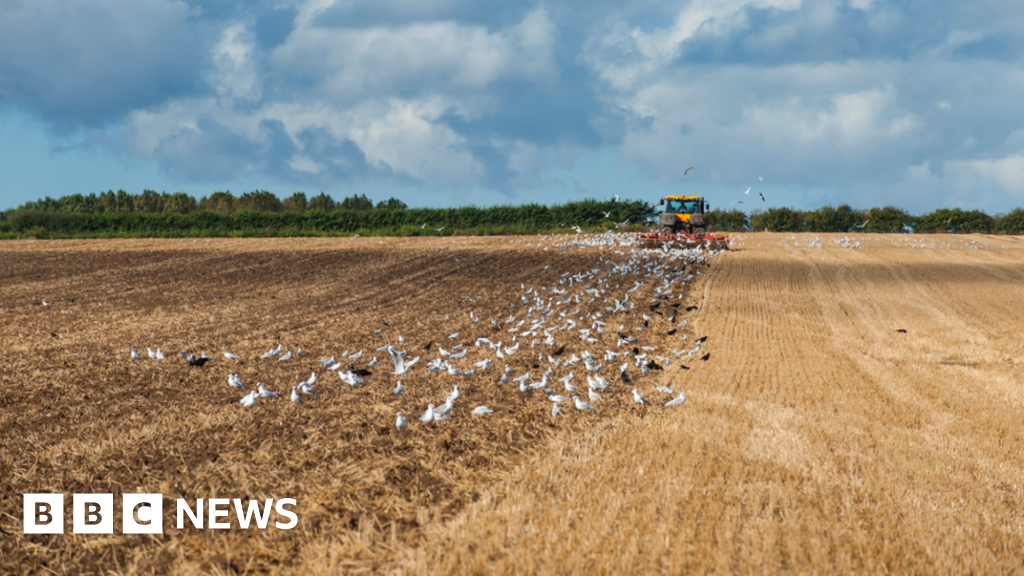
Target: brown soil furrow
{"points": [[79, 416]]}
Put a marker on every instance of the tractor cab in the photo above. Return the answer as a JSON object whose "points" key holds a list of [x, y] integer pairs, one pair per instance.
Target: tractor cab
{"points": [[683, 213]]}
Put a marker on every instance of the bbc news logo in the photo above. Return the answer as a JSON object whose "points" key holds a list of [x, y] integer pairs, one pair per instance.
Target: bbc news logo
{"points": [[143, 513]]}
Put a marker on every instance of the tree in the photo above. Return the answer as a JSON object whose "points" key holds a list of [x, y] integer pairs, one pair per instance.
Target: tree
{"points": [[888, 219], [956, 220], [829, 219], [322, 202], [733, 220], [1013, 223], [148, 201], [258, 201], [357, 203], [392, 204], [777, 220], [295, 203], [179, 203], [223, 202]]}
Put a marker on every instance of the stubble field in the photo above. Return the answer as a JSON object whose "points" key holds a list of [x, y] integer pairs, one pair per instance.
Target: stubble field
{"points": [[816, 437]]}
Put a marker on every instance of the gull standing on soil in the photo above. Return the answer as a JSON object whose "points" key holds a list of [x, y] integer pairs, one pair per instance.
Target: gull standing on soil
{"points": [[249, 400], [556, 398], [638, 398], [555, 410], [152, 355], [582, 404], [235, 382], [264, 393], [135, 355], [482, 411], [677, 401], [428, 416], [231, 356], [400, 422], [286, 357], [295, 396], [398, 389]]}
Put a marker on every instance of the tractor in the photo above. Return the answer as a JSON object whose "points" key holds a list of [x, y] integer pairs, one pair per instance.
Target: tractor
{"points": [[683, 213]]}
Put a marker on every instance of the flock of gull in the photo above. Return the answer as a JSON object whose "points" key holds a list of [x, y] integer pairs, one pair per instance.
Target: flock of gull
{"points": [[577, 342]]}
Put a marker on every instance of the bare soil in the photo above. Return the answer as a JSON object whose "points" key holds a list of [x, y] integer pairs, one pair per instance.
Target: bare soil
{"points": [[79, 416]]}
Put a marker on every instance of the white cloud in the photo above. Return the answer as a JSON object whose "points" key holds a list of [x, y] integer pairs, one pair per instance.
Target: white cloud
{"points": [[849, 120], [354, 72], [624, 56], [407, 141], [1002, 173], [352, 63], [234, 74]]}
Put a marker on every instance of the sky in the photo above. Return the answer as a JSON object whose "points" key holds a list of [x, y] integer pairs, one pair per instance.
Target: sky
{"points": [[914, 104]]}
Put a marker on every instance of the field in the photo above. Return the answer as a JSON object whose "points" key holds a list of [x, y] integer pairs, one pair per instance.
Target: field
{"points": [[818, 436]]}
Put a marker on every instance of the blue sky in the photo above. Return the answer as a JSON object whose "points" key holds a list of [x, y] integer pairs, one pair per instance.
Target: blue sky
{"points": [[451, 102]]}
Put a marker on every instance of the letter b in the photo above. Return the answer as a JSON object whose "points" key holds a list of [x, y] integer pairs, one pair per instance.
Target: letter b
{"points": [[93, 514], [43, 514]]}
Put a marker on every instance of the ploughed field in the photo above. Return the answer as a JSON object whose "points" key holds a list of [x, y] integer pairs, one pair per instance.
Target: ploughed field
{"points": [[80, 416], [860, 408]]}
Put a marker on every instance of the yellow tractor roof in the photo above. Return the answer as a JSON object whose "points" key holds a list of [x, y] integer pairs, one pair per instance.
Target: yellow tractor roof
{"points": [[683, 197]]}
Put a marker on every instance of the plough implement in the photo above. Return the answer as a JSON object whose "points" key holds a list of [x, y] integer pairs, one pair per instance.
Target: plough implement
{"points": [[683, 239]]}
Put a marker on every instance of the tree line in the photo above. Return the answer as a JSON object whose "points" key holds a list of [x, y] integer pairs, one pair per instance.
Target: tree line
{"points": [[152, 202], [262, 213], [887, 220]]}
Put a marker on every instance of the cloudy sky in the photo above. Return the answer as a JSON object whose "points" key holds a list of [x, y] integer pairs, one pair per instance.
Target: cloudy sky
{"points": [[916, 103]]}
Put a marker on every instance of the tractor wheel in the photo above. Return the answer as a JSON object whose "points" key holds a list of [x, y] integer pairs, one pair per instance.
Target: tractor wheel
{"points": [[699, 231], [666, 231]]}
